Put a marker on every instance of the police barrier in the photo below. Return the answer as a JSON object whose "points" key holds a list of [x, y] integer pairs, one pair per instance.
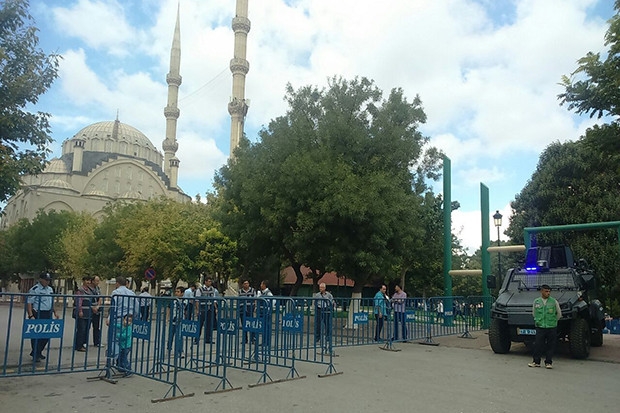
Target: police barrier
{"points": [[356, 321], [261, 333], [165, 337], [49, 342], [159, 338]]}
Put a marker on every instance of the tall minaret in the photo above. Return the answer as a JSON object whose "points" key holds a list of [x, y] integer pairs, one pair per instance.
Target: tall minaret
{"points": [[171, 111], [239, 66]]}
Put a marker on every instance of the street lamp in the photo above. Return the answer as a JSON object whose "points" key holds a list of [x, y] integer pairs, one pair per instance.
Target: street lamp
{"points": [[497, 220]]}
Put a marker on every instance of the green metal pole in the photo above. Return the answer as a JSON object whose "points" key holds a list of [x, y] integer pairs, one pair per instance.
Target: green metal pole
{"points": [[486, 257], [447, 227], [529, 231], [447, 239]]}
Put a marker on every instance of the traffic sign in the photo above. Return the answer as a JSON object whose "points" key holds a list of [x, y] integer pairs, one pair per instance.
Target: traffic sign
{"points": [[149, 274]]}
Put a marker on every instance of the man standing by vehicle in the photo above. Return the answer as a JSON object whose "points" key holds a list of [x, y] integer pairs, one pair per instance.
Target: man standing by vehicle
{"points": [[546, 311], [40, 305]]}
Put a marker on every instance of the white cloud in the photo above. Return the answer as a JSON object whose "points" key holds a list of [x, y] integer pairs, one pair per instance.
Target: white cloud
{"points": [[489, 87], [466, 225], [99, 24]]}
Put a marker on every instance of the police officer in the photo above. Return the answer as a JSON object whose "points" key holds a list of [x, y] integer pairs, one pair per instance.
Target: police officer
{"points": [[324, 304], [208, 309], [247, 306], [264, 312], [40, 305]]}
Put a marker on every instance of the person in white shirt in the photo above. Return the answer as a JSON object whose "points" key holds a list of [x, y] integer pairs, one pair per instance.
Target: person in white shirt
{"points": [[323, 306], [264, 311], [145, 304], [122, 310]]}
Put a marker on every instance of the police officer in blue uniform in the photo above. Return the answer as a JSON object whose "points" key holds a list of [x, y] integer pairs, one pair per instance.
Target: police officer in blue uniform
{"points": [[40, 305], [207, 295], [246, 307]]}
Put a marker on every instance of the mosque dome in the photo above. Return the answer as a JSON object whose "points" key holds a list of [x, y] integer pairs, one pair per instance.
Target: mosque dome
{"points": [[56, 166], [106, 130], [114, 137], [57, 183]]}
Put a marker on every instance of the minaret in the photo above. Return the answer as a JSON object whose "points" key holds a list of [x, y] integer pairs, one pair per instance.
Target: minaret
{"points": [[239, 66], [171, 111]]}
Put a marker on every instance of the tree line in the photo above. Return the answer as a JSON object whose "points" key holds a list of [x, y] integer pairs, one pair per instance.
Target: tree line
{"points": [[340, 182]]}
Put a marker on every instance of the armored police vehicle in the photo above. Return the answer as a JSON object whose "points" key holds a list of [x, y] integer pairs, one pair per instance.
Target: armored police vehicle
{"points": [[571, 284]]}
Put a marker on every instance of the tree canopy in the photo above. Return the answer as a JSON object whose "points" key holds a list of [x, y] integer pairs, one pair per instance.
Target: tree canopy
{"points": [[26, 72], [335, 184]]}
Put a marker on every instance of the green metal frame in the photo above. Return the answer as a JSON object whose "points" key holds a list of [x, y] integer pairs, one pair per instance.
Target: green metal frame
{"points": [[528, 232]]}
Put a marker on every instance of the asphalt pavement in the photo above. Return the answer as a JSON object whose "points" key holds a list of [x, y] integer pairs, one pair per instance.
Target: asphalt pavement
{"points": [[457, 375]]}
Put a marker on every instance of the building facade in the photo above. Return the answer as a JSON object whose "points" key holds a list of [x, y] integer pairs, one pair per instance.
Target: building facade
{"points": [[106, 162]]}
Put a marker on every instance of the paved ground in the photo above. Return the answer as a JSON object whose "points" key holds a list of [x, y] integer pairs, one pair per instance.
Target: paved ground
{"points": [[459, 375]]}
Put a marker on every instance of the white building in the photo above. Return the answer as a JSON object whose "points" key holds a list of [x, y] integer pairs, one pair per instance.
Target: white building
{"points": [[106, 162]]}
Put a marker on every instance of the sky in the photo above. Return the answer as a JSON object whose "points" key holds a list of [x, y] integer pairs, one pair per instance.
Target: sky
{"points": [[488, 73]]}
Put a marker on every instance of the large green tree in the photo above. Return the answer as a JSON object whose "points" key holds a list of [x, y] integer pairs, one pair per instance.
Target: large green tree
{"points": [[33, 246], [164, 235], [72, 258], [334, 184], [26, 72]]}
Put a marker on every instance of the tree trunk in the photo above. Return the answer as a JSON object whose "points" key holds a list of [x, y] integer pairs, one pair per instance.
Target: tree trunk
{"points": [[299, 280], [403, 271], [316, 277]]}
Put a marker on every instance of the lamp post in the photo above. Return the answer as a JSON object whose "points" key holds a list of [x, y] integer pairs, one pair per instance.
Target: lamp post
{"points": [[497, 220]]}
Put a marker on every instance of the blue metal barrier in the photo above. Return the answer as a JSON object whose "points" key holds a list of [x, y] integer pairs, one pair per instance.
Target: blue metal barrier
{"points": [[131, 346], [168, 337]]}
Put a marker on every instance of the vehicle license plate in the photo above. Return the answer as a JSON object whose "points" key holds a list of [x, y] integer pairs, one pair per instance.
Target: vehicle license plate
{"points": [[526, 332]]}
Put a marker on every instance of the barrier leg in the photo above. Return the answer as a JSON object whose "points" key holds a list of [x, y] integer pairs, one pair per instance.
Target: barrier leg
{"points": [[429, 335], [466, 334], [331, 369], [388, 346]]}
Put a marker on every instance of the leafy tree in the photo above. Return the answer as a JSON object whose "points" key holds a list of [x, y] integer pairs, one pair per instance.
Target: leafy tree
{"points": [[164, 235], [26, 72], [73, 259], [7, 273], [424, 277], [35, 245], [334, 184], [218, 256], [592, 88], [104, 253]]}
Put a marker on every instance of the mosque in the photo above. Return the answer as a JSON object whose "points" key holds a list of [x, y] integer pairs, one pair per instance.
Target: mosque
{"points": [[110, 161]]}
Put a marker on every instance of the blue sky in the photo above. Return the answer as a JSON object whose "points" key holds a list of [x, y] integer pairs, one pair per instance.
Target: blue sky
{"points": [[487, 71]]}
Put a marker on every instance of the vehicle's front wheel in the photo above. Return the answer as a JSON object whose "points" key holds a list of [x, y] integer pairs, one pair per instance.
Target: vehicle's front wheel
{"points": [[499, 336], [579, 339]]}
